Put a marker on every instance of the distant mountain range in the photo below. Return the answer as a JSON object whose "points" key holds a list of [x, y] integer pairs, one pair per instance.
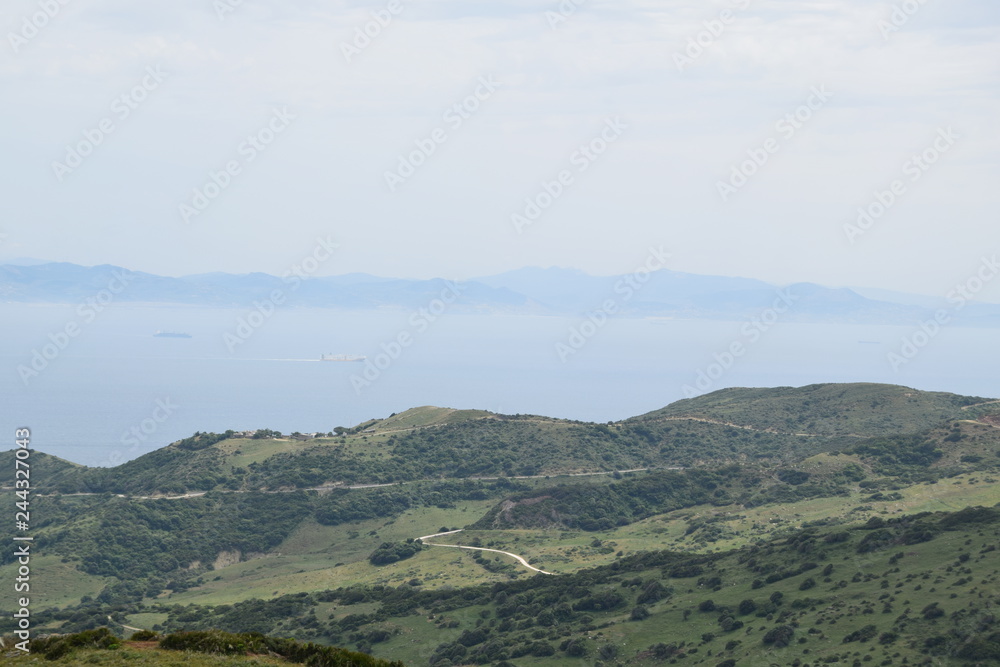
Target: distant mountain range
{"points": [[535, 291]]}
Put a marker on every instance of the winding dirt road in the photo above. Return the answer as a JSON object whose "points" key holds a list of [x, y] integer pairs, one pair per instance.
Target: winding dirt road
{"points": [[458, 546]]}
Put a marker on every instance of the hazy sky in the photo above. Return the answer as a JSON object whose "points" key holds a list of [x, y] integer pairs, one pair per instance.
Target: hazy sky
{"points": [[199, 77]]}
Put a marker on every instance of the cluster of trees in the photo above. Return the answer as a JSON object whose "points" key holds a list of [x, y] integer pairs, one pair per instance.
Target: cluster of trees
{"points": [[391, 552], [149, 546], [895, 454], [595, 508]]}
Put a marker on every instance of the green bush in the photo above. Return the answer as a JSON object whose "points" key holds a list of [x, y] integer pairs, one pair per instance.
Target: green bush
{"points": [[57, 647], [226, 643], [780, 636]]}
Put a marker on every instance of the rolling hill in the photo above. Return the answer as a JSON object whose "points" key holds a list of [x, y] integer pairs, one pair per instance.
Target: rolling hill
{"points": [[669, 534]]}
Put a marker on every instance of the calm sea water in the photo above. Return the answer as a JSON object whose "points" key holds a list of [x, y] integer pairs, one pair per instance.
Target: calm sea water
{"points": [[99, 400]]}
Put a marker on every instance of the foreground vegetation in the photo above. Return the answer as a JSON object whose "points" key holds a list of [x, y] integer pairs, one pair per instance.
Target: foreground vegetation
{"points": [[101, 646]]}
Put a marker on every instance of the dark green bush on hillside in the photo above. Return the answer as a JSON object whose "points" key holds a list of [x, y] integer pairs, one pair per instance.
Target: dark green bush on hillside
{"points": [[225, 643], [780, 636], [390, 552], [203, 440], [862, 635], [58, 646], [982, 648], [894, 453], [794, 477], [600, 602], [878, 539]]}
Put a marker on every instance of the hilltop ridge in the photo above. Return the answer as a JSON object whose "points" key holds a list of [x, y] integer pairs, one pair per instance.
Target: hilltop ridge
{"points": [[738, 424]]}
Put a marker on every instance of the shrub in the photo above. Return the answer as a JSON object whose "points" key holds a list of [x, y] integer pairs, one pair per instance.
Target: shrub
{"points": [[640, 613], [862, 635], [780, 636], [654, 591], [389, 552], [57, 647], [932, 611]]}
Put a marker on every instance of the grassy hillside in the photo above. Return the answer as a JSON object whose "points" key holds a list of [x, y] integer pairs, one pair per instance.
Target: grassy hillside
{"points": [[880, 467], [823, 409], [423, 417], [919, 588], [124, 550], [314, 539], [731, 425]]}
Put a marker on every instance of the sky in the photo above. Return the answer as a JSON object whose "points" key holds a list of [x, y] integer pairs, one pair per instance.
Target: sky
{"points": [[462, 138]]}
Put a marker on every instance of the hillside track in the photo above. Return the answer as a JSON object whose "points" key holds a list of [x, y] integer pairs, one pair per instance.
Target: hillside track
{"points": [[519, 559]]}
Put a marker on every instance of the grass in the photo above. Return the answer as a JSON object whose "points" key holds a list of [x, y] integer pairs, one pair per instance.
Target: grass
{"points": [[316, 557], [571, 551], [883, 589], [146, 621], [54, 583], [425, 416], [242, 452]]}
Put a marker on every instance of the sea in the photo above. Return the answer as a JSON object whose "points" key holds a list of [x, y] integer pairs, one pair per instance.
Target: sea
{"points": [[96, 387]]}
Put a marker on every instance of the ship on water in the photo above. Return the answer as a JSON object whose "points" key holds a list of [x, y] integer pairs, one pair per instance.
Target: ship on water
{"points": [[342, 357], [171, 334]]}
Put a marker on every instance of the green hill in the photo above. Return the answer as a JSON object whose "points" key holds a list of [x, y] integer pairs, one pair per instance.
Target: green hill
{"points": [[44, 466], [658, 527], [861, 409], [732, 425]]}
